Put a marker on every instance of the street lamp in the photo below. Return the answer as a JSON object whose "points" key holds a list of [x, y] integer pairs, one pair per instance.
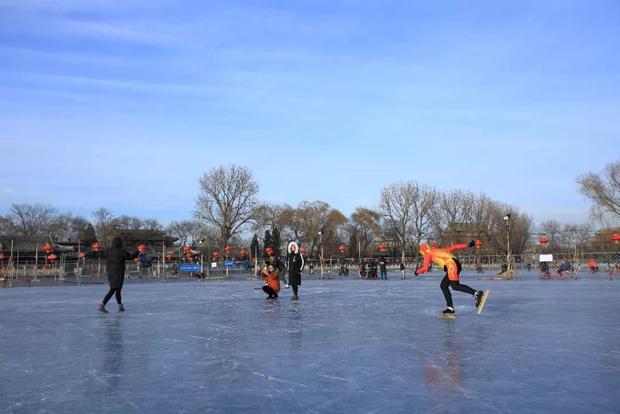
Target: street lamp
{"points": [[201, 241], [202, 269], [321, 251], [507, 224]]}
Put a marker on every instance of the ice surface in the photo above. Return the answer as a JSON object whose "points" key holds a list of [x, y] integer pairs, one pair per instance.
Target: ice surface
{"points": [[347, 346]]}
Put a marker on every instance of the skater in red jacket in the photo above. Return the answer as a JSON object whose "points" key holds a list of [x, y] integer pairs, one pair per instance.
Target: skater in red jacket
{"points": [[450, 264]]}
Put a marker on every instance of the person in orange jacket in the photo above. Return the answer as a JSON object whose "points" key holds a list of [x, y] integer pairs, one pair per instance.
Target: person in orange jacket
{"points": [[450, 264], [272, 274], [593, 265]]}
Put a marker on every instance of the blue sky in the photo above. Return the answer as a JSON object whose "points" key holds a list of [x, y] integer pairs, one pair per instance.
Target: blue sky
{"points": [[124, 104]]}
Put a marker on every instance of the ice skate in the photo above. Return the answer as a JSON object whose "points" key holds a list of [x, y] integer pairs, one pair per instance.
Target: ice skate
{"points": [[483, 300], [121, 308], [294, 297], [448, 313], [478, 297], [102, 308]]}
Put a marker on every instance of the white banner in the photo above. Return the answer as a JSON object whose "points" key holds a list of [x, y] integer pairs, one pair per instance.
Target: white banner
{"points": [[546, 258]]}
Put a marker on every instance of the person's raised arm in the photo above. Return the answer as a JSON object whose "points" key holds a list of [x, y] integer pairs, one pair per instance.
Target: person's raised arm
{"points": [[460, 246], [131, 256]]}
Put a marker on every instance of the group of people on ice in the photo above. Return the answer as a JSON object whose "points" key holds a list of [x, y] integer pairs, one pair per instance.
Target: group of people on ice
{"points": [[442, 257]]}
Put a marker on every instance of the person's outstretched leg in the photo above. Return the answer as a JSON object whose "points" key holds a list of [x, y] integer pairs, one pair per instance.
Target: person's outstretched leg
{"points": [[462, 288], [446, 293], [454, 271]]}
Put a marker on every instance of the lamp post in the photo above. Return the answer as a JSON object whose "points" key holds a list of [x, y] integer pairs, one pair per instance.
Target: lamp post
{"points": [[227, 250], [321, 251], [202, 269], [507, 224], [11, 264]]}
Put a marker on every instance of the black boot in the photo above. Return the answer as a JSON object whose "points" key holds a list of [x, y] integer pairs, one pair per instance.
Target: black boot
{"points": [[478, 297]]}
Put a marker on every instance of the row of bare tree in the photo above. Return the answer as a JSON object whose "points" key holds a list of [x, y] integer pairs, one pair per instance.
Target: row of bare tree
{"points": [[39, 221], [228, 211], [408, 213]]}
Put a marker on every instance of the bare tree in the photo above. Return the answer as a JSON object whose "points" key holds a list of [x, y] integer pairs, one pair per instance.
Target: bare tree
{"points": [[453, 208], [125, 222], [553, 230], [67, 227], [567, 236], [408, 209], [520, 228], [103, 224], [6, 225], [603, 190], [365, 228], [313, 217], [32, 220], [151, 224], [227, 199], [186, 231], [482, 213], [271, 216], [424, 205], [576, 236]]}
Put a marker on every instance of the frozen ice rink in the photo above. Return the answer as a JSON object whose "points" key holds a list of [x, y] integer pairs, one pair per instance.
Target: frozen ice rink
{"points": [[349, 345]]}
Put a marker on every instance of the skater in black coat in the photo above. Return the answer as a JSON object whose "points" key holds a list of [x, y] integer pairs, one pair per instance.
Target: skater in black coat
{"points": [[294, 264], [115, 266]]}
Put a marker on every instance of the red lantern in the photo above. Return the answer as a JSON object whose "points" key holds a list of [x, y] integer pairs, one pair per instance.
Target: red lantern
{"points": [[242, 253], [95, 246], [381, 246], [302, 250], [52, 257], [269, 251], [434, 245], [187, 248], [615, 238], [227, 249], [141, 248], [543, 240], [342, 248], [216, 255], [478, 244], [48, 248], [169, 257]]}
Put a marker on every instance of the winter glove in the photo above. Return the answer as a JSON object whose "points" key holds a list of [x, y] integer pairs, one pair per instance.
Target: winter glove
{"points": [[472, 243]]}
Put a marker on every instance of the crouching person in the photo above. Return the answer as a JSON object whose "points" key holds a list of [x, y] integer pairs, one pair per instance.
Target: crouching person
{"points": [[272, 274]]}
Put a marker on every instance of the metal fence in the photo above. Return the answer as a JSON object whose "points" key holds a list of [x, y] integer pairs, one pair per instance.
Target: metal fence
{"points": [[66, 268]]}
